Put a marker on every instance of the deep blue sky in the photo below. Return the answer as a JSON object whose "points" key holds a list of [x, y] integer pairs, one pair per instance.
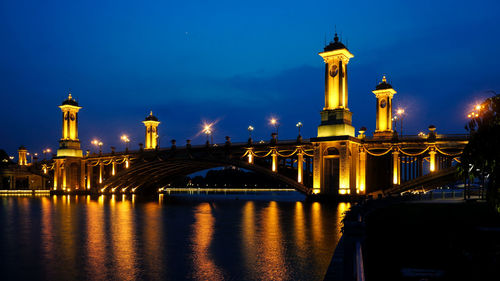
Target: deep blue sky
{"points": [[238, 62]]}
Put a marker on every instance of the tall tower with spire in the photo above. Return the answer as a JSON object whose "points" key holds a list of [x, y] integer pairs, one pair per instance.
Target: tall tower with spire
{"points": [[336, 150], [69, 145], [151, 123], [384, 93], [336, 119]]}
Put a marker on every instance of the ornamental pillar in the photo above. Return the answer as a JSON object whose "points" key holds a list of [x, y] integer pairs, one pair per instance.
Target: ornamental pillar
{"points": [[300, 166], [395, 167]]}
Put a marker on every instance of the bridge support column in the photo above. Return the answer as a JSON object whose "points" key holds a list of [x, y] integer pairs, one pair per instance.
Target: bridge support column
{"points": [[127, 163], [274, 165], [300, 166], [64, 174], [396, 172], [113, 167], [317, 169], [101, 167], [82, 175], [56, 174], [89, 176], [432, 159], [361, 177], [250, 156], [344, 169]]}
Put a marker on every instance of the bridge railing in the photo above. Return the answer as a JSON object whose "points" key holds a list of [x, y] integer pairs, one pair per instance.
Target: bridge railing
{"points": [[200, 146]]}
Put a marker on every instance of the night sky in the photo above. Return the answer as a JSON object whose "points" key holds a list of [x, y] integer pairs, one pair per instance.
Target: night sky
{"points": [[238, 62]]}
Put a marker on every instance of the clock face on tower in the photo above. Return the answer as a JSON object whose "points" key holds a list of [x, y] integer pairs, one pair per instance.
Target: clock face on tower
{"points": [[334, 70], [383, 103]]}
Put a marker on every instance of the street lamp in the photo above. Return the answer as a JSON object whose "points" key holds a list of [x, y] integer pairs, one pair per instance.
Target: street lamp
{"points": [[400, 113], [250, 129], [45, 151], [98, 144], [475, 112], [207, 129], [299, 125], [276, 125], [126, 140]]}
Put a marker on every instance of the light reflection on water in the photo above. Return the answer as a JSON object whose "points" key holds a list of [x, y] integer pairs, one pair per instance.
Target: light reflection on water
{"points": [[125, 238]]}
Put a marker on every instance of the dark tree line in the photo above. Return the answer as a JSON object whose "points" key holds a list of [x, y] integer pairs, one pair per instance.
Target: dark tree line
{"points": [[481, 156]]}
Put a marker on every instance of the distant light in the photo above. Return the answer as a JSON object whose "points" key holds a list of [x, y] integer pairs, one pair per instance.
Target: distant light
{"points": [[299, 124], [400, 111], [250, 128], [125, 138]]}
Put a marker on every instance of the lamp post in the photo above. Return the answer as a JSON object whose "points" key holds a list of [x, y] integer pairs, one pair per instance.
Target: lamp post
{"points": [[45, 151], [299, 125], [276, 125], [250, 129], [400, 113], [126, 140], [99, 144], [207, 129]]}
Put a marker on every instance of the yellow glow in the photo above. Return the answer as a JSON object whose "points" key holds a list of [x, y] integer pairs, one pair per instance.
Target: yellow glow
{"points": [[126, 163], [335, 130], [336, 84], [300, 166], [275, 162], [343, 191], [250, 158], [361, 177], [395, 168], [432, 161], [125, 138], [270, 247], [23, 161], [201, 240], [273, 121], [151, 134], [400, 111], [101, 166]]}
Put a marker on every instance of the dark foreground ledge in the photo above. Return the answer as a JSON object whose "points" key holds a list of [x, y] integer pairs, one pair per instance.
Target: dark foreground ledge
{"points": [[432, 241]]}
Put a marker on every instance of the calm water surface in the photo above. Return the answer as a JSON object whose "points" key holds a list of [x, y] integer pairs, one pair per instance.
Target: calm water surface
{"points": [[275, 236]]}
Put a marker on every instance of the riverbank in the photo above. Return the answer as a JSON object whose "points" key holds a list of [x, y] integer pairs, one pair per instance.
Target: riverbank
{"points": [[432, 241]]}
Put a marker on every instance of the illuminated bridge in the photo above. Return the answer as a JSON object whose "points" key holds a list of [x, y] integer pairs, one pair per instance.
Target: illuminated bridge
{"points": [[339, 160]]}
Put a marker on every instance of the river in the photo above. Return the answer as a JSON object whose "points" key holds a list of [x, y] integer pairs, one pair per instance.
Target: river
{"points": [[256, 236]]}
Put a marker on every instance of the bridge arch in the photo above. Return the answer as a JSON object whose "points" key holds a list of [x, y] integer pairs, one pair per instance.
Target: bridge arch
{"points": [[146, 175]]}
